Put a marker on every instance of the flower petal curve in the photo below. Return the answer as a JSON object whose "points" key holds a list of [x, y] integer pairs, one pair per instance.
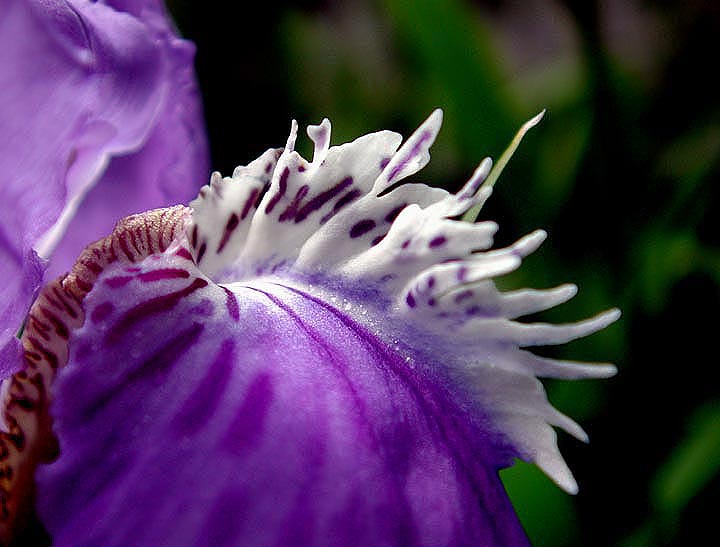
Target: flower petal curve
{"points": [[264, 416]]}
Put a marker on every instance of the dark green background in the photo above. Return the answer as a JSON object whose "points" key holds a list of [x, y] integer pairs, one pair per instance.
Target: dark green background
{"points": [[622, 173]]}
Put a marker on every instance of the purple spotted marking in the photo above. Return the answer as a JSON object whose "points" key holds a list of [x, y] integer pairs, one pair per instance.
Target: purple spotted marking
{"points": [[250, 202], [232, 223], [301, 168], [362, 228], [164, 273], [194, 237], [268, 167], [384, 162], [119, 281], [201, 252], [464, 295], [405, 244], [410, 299], [153, 306], [461, 273], [392, 215], [102, 312], [414, 152], [475, 310], [431, 302], [182, 252], [282, 188], [438, 241], [231, 304], [322, 198], [344, 200], [292, 209]]}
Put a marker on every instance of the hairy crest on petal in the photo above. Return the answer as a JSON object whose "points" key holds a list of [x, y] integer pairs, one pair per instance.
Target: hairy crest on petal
{"points": [[344, 219]]}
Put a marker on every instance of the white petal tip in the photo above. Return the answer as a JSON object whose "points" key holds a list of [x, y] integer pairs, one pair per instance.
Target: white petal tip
{"points": [[570, 487], [604, 370], [532, 122], [554, 467], [610, 316], [568, 290], [290, 145], [530, 243], [433, 122]]}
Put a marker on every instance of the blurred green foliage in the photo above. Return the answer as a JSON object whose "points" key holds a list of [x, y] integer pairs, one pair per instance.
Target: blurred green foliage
{"points": [[622, 173]]}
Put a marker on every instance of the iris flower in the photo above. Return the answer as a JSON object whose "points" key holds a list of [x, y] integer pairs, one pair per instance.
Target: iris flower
{"points": [[310, 353]]}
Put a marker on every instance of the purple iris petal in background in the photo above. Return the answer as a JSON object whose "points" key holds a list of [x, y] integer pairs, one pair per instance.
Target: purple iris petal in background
{"points": [[99, 117]]}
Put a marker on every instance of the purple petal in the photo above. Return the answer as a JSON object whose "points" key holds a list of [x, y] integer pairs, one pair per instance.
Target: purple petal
{"points": [[260, 417], [81, 83], [90, 93]]}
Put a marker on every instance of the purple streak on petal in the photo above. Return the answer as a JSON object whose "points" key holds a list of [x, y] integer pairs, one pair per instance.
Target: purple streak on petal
{"points": [[164, 273], [344, 200], [232, 223], [117, 282], [201, 405], [153, 306], [291, 210], [362, 228], [438, 241], [392, 215], [148, 373], [249, 422], [321, 199], [250, 203], [419, 146], [282, 188], [184, 253], [232, 305]]}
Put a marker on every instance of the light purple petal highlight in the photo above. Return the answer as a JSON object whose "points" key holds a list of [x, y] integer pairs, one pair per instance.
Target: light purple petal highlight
{"points": [[192, 415], [81, 83]]}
